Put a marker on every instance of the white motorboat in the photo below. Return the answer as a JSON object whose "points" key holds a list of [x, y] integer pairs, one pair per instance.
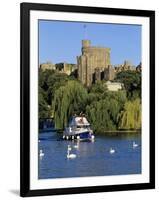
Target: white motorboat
{"points": [[78, 129]]}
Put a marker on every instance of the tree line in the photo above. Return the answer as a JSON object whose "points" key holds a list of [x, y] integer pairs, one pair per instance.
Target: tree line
{"points": [[61, 96]]}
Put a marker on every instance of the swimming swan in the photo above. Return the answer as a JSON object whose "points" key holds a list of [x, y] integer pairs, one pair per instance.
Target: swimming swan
{"points": [[135, 145], [70, 155], [41, 153], [111, 151]]}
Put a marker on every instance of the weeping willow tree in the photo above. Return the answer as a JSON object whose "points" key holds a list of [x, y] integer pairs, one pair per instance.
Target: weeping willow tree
{"points": [[68, 99], [103, 109], [100, 116], [130, 116]]}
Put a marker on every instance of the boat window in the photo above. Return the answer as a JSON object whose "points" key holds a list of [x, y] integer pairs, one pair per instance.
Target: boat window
{"points": [[86, 126]]}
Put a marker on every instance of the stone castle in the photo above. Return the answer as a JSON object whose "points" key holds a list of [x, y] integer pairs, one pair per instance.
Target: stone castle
{"points": [[94, 64], [62, 67]]}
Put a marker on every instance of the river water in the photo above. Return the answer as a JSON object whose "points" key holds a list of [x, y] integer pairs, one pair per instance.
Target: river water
{"points": [[92, 158]]}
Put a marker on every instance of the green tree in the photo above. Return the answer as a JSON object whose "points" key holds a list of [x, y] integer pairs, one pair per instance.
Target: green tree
{"points": [[103, 112], [68, 100], [61, 96], [54, 82], [132, 83], [99, 116], [130, 116], [44, 109], [43, 78], [98, 88]]}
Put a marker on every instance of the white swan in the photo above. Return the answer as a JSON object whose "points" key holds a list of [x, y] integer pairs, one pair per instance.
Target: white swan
{"points": [[41, 153], [70, 155], [135, 145], [111, 150]]}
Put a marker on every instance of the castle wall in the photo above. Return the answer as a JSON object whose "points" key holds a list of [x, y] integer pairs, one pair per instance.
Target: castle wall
{"points": [[47, 66], [109, 73]]}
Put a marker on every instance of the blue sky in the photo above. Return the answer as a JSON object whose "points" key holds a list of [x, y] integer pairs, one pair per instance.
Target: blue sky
{"points": [[61, 41]]}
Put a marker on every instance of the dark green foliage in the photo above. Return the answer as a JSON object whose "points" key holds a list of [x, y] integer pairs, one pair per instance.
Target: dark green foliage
{"points": [[43, 78], [61, 96], [99, 116], [50, 81], [103, 112], [98, 88], [44, 109], [55, 81], [132, 83]]}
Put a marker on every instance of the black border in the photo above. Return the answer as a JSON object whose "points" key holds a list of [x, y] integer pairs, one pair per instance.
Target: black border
{"points": [[25, 9]]}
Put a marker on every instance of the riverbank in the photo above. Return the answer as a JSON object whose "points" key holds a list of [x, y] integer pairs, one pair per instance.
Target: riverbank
{"points": [[60, 131], [118, 132], [123, 131]]}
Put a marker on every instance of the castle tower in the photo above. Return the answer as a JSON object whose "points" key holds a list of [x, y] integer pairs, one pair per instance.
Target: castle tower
{"points": [[92, 58], [86, 43]]}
